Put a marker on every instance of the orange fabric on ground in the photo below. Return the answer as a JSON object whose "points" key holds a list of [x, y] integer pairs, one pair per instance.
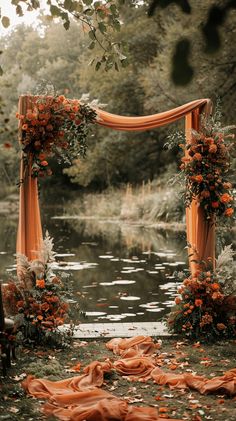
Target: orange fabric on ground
{"points": [[78, 398], [199, 232]]}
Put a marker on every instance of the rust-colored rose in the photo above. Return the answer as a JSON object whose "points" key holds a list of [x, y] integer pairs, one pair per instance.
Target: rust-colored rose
{"points": [[177, 300], [226, 198], [205, 194], [198, 302], [198, 178], [221, 326], [40, 283], [229, 212], [197, 156], [213, 148], [227, 185], [44, 163], [215, 286]]}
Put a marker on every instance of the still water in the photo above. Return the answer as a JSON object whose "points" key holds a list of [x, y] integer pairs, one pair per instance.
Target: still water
{"points": [[118, 272]]}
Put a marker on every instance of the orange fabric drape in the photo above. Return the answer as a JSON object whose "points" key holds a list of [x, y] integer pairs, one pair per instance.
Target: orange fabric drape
{"points": [[118, 122], [80, 398], [29, 236], [199, 233]]}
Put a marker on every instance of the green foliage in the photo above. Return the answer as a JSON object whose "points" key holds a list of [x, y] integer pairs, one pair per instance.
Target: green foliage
{"points": [[144, 87], [96, 18]]}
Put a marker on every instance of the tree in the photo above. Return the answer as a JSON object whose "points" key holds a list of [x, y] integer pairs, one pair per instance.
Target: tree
{"points": [[97, 19], [100, 19]]}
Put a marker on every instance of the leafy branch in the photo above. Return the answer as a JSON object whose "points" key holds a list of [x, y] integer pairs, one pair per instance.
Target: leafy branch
{"points": [[98, 19]]}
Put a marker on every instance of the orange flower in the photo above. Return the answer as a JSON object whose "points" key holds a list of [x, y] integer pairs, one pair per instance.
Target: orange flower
{"points": [[209, 140], [229, 212], [67, 107], [217, 295], [198, 178], [198, 302], [42, 156], [41, 107], [75, 108], [213, 148], [205, 194], [197, 156], [44, 163], [215, 205], [40, 317], [221, 326], [40, 283], [215, 286], [227, 185], [226, 198], [25, 126], [61, 98]]}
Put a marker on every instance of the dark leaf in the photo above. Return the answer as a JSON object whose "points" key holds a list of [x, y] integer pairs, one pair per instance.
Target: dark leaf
{"points": [[55, 11], [66, 24], [5, 21], [102, 27], [98, 65]]}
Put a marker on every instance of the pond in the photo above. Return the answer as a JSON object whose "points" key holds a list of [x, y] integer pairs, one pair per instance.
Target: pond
{"points": [[118, 272]]}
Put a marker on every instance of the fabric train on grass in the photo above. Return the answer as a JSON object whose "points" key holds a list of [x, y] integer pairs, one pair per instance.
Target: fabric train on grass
{"points": [[79, 398]]}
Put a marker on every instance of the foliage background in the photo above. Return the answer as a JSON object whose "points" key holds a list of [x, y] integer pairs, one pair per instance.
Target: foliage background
{"points": [[148, 85]]}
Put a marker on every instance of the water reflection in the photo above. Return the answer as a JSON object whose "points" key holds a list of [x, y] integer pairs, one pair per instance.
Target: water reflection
{"points": [[118, 272], [119, 269]]}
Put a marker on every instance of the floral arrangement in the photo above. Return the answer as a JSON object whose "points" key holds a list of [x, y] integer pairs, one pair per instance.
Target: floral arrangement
{"points": [[54, 126], [206, 307], [37, 298], [206, 166]]}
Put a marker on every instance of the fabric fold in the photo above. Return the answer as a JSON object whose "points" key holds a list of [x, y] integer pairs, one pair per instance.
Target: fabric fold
{"points": [[79, 398]]}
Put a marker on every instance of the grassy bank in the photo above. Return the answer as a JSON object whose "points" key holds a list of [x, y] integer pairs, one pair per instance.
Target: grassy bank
{"points": [[176, 357], [149, 203]]}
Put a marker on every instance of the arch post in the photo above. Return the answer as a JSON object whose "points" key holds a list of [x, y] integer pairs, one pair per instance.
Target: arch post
{"points": [[200, 231]]}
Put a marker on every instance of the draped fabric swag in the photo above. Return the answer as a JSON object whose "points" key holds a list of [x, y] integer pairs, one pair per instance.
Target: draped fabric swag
{"points": [[200, 232]]}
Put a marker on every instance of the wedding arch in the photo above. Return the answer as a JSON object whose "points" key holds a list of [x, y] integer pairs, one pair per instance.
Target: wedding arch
{"points": [[44, 122], [200, 231], [57, 126]]}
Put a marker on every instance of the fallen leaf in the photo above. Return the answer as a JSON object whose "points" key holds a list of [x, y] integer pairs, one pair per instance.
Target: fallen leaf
{"points": [[173, 367], [163, 409], [76, 367]]}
